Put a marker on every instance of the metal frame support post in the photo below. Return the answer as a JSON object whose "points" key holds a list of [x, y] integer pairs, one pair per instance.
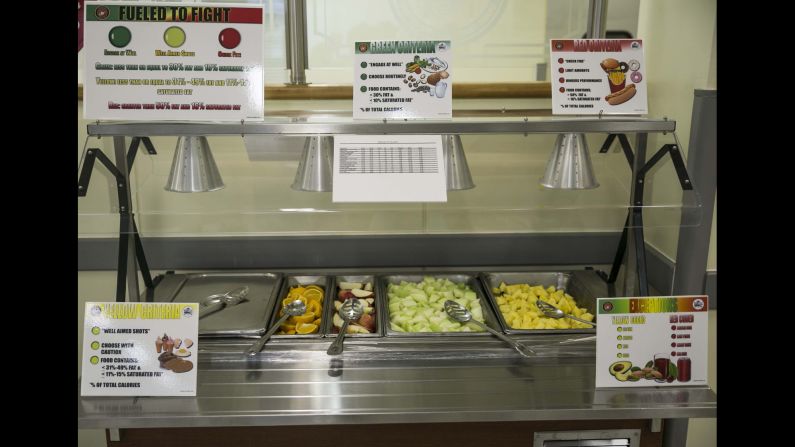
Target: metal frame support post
{"points": [[597, 19], [126, 227], [295, 29], [693, 246], [634, 221], [130, 246]]}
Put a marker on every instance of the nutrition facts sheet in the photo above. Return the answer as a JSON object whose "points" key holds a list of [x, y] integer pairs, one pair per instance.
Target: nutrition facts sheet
{"points": [[389, 168], [391, 159]]}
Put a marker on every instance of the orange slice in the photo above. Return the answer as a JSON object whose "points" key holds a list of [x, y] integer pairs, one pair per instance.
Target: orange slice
{"points": [[317, 322], [314, 287], [306, 328], [313, 295], [314, 307], [287, 327], [298, 290], [305, 318]]}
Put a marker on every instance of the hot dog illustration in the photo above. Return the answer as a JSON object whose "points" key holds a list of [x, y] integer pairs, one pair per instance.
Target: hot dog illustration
{"points": [[621, 96]]}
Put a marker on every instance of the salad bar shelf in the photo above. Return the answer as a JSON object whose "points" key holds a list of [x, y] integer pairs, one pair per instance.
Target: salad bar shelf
{"points": [[318, 124]]}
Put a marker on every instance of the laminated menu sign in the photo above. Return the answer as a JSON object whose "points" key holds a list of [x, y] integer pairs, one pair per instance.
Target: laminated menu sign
{"points": [[173, 61], [140, 349], [403, 79], [389, 168], [651, 341], [598, 76]]}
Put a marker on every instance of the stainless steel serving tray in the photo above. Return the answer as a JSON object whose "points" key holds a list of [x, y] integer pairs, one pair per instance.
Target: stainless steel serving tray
{"points": [[378, 303], [303, 280], [470, 279], [247, 319], [572, 283]]}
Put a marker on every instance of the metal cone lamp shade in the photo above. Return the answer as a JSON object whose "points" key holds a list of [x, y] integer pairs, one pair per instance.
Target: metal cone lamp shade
{"points": [[315, 167], [193, 168], [570, 165], [457, 169]]}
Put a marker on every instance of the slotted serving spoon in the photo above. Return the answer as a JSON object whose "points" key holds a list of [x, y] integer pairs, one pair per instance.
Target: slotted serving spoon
{"points": [[351, 310], [214, 303], [293, 309], [553, 312], [459, 313]]}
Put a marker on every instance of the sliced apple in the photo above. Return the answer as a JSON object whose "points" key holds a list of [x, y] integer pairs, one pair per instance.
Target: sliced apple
{"points": [[370, 301], [368, 287], [337, 320], [366, 307], [359, 293], [337, 305], [350, 285], [356, 329], [345, 294], [367, 321]]}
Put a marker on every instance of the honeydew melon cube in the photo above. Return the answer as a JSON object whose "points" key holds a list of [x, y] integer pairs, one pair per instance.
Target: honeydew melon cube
{"points": [[396, 327], [477, 313], [410, 311], [394, 307], [400, 319]]}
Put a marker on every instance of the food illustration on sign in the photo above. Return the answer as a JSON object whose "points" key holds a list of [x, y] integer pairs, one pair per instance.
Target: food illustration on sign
{"points": [[621, 96], [617, 78], [616, 73], [172, 353], [660, 370], [432, 82]]}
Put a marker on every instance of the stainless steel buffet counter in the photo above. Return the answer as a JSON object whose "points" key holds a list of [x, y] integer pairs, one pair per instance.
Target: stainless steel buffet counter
{"points": [[408, 379], [294, 382]]}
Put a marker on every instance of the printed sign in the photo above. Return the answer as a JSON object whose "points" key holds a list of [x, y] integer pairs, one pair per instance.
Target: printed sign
{"points": [[140, 349], [651, 341], [173, 61], [598, 76], [403, 80], [389, 168]]}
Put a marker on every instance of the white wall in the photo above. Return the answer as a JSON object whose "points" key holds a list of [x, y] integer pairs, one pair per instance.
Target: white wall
{"points": [[680, 41]]}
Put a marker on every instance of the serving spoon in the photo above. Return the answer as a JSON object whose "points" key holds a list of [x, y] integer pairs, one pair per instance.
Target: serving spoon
{"points": [[351, 310], [553, 312], [293, 309], [459, 313], [214, 303]]}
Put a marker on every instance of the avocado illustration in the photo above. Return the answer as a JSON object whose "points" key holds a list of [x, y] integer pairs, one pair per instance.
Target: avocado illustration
{"points": [[623, 377], [620, 368]]}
